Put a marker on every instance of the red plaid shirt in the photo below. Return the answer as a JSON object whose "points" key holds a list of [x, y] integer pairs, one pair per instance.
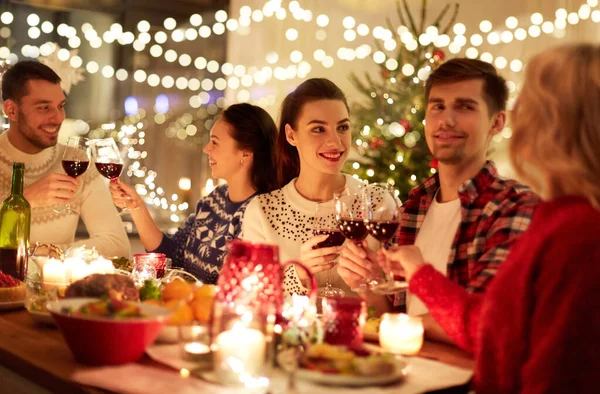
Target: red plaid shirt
{"points": [[494, 213]]}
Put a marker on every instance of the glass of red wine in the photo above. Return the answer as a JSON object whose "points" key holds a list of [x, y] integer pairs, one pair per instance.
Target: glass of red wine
{"points": [[75, 161], [108, 161], [382, 221], [324, 223], [350, 214]]}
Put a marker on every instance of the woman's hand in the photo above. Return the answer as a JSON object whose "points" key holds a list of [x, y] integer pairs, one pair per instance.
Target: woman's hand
{"points": [[124, 196], [317, 260], [402, 260], [357, 263]]}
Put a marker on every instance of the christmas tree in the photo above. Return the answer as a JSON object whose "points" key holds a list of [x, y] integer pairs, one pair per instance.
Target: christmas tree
{"points": [[389, 122]]}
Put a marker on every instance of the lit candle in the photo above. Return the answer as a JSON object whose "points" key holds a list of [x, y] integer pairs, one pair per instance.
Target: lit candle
{"points": [[194, 339], [102, 266], [400, 333], [54, 274], [76, 268], [239, 350]]}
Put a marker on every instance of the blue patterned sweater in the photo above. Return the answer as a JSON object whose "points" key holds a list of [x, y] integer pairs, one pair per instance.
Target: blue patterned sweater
{"points": [[199, 246]]}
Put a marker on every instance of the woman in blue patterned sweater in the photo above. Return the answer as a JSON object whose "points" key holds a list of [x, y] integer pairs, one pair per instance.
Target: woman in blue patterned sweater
{"points": [[241, 151]]}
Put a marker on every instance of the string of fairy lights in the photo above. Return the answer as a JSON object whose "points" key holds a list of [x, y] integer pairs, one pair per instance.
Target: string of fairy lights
{"points": [[240, 78]]}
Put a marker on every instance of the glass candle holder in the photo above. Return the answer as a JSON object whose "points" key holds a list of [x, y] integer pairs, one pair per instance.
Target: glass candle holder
{"points": [[344, 320], [195, 343], [400, 333], [158, 260], [241, 344]]}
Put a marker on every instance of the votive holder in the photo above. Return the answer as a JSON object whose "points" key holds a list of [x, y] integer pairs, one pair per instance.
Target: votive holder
{"points": [[400, 333], [344, 320]]}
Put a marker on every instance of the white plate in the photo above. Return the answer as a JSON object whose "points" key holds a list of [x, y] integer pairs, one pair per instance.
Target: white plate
{"points": [[401, 370], [42, 317], [4, 306], [168, 334]]}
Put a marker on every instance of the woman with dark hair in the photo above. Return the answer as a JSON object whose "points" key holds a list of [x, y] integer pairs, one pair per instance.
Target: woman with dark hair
{"points": [[313, 144], [241, 151]]}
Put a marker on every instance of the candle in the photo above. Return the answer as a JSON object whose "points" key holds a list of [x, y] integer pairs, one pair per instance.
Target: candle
{"points": [[76, 268], [239, 350], [54, 274], [102, 266], [400, 333], [195, 351], [195, 343]]}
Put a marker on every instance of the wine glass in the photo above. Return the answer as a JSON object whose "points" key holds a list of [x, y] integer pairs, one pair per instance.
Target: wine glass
{"points": [[382, 221], [324, 223], [108, 161], [75, 161], [350, 213]]}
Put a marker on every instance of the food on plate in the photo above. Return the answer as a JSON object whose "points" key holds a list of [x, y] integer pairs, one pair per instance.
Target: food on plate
{"points": [[110, 307], [372, 326], [335, 359], [11, 289], [182, 313], [114, 286], [150, 290], [202, 302], [188, 301], [122, 263], [177, 289]]}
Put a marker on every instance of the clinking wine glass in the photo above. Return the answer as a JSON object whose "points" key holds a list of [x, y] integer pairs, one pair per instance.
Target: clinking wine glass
{"points": [[350, 213], [382, 221], [324, 223], [109, 163], [75, 161]]}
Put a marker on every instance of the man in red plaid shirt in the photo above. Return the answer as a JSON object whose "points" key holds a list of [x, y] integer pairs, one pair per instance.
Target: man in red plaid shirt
{"points": [[464, 218]]}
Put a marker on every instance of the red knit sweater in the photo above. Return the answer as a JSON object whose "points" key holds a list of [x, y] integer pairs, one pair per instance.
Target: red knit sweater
{"points": [[537, 329]]}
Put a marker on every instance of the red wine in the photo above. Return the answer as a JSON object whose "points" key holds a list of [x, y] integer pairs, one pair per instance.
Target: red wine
{"points": [[356, 230], [8, 262], [383, 230], [75, 168], [335, 238], [110, 170]]}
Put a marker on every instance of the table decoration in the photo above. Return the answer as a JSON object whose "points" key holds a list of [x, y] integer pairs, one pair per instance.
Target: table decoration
{"points": [[400, 333]]}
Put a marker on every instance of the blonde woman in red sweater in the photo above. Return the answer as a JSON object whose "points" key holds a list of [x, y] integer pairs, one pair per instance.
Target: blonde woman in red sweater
{"points": [[536, 330]]}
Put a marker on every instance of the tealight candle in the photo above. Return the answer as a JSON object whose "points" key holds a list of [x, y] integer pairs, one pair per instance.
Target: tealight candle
{"points": [[76, 268], [400, 333], [239, 350], [102, 266], [54, 274]]}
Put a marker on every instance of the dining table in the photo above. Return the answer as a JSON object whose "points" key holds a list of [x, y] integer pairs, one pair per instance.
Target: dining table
{"points": [[35, 358]]}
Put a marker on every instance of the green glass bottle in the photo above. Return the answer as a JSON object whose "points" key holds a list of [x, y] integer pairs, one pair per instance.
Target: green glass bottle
{"points": [[15, 218]]}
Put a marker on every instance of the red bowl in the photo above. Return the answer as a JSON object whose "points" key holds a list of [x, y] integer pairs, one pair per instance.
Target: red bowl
{"points": [[106, 341]]}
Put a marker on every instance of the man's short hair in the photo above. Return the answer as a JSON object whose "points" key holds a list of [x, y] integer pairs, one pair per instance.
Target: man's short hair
{"points": [[495, 91], [14, 80]]}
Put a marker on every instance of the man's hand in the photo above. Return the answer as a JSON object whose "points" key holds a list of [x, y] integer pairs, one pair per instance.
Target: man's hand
{"points": [[53, 189], [357, 262]]}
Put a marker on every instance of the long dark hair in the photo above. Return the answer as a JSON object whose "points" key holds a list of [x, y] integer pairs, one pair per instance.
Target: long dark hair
{"points": [[288, 161], [254, 130]]}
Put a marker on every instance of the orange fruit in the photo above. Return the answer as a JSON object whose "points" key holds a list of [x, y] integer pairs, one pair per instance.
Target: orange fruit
{"points": [[182, 313], [177, 289]]}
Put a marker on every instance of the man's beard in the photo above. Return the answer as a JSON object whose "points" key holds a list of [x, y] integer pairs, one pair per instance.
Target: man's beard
{"points": [[29, 134]]}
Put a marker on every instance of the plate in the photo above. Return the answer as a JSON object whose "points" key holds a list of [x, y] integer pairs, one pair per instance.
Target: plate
{"points": [[42, 317], [400, 371], [5, 306]]}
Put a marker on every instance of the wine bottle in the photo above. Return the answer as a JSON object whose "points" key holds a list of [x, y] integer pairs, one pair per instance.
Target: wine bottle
{"points": [[15, 218]]}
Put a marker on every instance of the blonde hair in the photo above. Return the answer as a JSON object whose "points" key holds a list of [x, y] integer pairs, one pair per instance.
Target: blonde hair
{"points": [[556, 121]]}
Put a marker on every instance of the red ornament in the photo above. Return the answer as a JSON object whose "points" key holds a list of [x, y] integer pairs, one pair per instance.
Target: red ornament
{"points": [[439, 55], [406, 124], [385, 73], [434, 163], [375, 143]]}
